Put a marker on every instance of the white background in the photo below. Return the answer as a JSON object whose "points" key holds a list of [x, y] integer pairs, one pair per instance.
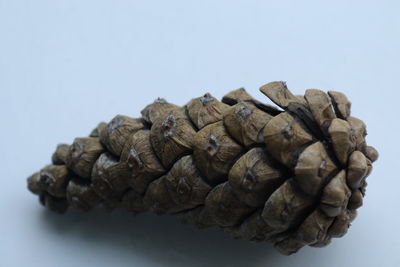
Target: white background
{"points": [[67, 65]]}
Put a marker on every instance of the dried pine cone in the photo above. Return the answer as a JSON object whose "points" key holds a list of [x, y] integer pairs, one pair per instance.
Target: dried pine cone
{"points": [[293, 177]]}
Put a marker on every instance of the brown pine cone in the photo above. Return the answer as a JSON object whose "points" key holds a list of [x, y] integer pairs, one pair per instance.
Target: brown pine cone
{"points": [[293, 177]]}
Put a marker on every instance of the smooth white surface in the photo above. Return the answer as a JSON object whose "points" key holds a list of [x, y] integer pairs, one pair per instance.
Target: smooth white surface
{"points": [[67, 65]]}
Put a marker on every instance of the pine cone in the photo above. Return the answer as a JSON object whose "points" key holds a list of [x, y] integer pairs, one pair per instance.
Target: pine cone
{"points": [[293, 177]]}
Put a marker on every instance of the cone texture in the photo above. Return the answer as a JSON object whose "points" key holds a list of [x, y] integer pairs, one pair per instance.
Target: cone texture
{"points": [[293, 175]]}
